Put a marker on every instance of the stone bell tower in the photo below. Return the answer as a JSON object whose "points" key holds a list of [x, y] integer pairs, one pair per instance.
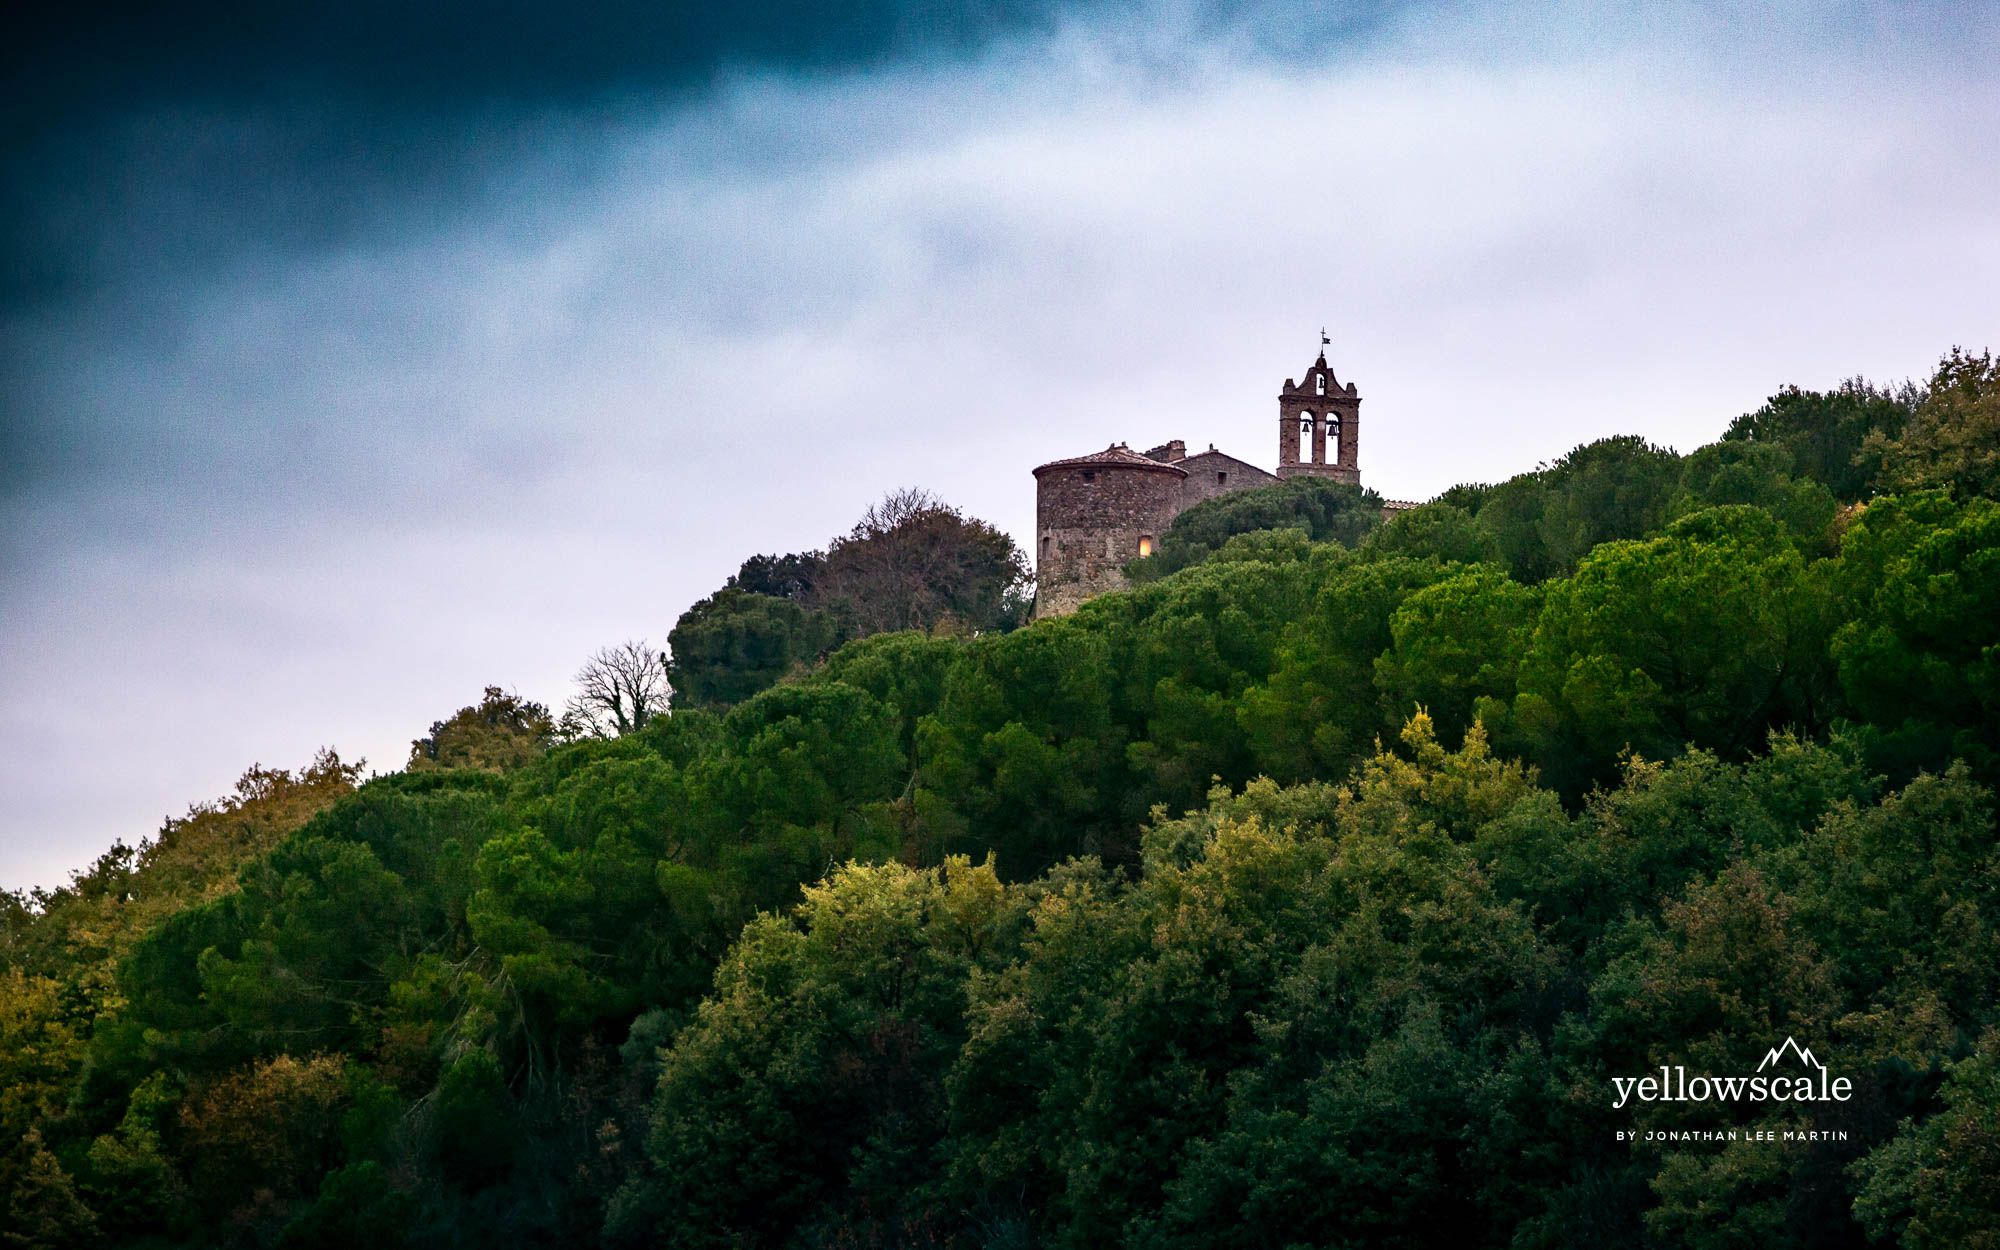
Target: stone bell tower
{"points": [[1319, 425]]}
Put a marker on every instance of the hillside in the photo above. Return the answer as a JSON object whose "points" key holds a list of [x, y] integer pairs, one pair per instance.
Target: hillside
{"points": [[1325, 882]]}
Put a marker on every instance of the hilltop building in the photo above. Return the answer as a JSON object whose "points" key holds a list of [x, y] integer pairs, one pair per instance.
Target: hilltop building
{"points": [[1094, 513]]}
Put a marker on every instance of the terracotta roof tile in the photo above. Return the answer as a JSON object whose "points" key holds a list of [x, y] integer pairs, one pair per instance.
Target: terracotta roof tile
{"points": [[1116, 456]]}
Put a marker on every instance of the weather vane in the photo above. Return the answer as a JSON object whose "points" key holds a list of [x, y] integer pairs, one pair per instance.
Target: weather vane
{"points": [[1324, 341]]}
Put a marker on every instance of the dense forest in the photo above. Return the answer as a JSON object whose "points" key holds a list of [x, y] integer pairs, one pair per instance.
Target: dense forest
{"points": [[1314, 892]]}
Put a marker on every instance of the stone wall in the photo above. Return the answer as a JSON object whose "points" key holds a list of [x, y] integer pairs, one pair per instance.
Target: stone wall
{"points": [[1319, 427], [1092, 518], [1211, 473]]}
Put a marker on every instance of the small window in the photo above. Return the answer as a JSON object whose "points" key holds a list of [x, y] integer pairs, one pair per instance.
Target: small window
{"points": [[1048, 544], [1220, 478], [1145, 545], [1320, 380], [1090, 475]]}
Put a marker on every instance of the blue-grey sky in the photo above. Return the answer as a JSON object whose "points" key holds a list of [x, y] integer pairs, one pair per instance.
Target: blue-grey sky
{"points": [[352, 363]]}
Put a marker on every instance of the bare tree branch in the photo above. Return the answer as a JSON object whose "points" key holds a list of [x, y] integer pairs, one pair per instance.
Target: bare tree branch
{"points": [[619, 689]]}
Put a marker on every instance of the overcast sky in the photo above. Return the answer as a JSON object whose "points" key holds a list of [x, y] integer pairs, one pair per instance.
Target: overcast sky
{"points": [[351, 365]]}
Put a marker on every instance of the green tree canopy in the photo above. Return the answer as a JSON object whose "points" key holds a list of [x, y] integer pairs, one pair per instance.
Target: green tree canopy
{"points": [[1919, 650], [1437, 531], [1327, 511], [734, 643], [1952, 439], [501, 732], [1825, 433], [1709, 635], [912, 562]]}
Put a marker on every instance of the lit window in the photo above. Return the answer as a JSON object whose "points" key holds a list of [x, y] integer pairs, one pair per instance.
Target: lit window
{"points": [[1145, 545]]}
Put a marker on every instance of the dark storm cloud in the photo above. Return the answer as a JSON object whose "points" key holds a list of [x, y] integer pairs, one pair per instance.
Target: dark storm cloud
{"points": [[154, 150], [153, 153], [74, 60], [218, 124]]}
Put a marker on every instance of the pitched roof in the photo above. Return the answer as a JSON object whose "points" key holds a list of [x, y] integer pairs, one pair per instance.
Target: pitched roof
{"points": [[1116, 456], [1213, 454]]}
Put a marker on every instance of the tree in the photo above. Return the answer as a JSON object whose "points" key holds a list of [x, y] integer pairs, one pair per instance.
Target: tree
{"points": [[619, 689], [781, 577], [1919, 652], [271, 1126], [1711, 634], [1439, 531], [40, 1052], [1381, 1004], [501, 732], [200, 852], [1023, 757], [569, 900], [1455, 643], [1284, 1023], [734, 643], [475, 1138], [913, 562], [1907, 891], [1936, 1186], [906, 672], [1828, 434], [807, 1096], [1319, 712], [1953, 437], [802, 783], [1545, 521], [44, 1211], [1739, 472], [1707, 986], [1327, 511], [1613, 488]]}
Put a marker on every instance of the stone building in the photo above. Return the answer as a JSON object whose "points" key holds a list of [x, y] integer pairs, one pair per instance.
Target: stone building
{"points": [[1094, 513], [1316, 416]]}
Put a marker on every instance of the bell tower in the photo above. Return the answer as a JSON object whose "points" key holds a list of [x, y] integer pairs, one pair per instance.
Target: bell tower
{"points": [[1319, 425]]}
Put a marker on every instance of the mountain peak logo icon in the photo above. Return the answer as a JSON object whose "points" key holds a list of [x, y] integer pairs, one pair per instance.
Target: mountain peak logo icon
{"points": [[1777, 1053], [1673, 1084]]}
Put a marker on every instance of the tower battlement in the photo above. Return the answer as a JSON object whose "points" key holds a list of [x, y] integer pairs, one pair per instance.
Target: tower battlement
{"points": [[1315, 417]]}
